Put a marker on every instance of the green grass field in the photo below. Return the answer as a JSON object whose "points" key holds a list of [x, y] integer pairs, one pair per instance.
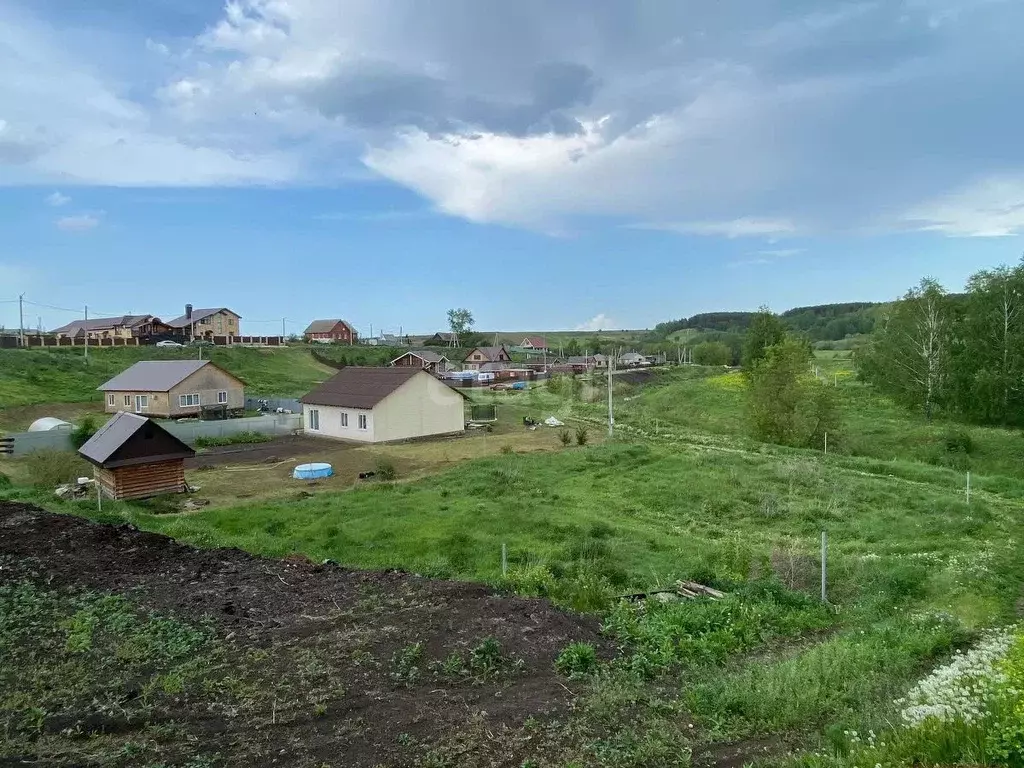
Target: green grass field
{"points": [[34, 376], [915, 571]]}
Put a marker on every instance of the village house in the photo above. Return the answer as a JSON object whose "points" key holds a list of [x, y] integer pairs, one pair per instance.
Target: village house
{"points": [[438, 340], [538, 343], [135, 458], [123, 327], [376, 405], [426, 359], [206, 323], [632, 360], [325, 331], [174, 388], [481, 355]]}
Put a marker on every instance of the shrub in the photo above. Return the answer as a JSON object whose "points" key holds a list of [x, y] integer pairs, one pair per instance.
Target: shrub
{"points": [[577, 660], [385, 470], [80, 435], [507, 449], [485, 659], [529, 580], [5, 481], [582, 435], [959, 441], [48, 468], [565, 437]]}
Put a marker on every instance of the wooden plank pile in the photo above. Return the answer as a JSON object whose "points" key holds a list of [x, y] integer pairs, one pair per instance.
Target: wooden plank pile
{"points": [[684, 590]]}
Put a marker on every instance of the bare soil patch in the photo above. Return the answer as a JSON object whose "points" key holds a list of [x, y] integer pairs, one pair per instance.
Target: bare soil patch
{"points": [[322, 652]]}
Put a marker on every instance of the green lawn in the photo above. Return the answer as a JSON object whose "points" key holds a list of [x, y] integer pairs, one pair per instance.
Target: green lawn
{"points": [[32, 376]]}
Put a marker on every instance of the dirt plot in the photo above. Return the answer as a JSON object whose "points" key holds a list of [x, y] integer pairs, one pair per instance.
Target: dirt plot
{"points": [[338, 667]]}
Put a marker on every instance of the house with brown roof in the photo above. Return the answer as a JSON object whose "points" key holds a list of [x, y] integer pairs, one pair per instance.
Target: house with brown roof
{"points": [[327, 331], [206, 323], [426, 359], [123, 327], [438, 340], [174, 388], [482, 355], [538, 343], [376, 405]]}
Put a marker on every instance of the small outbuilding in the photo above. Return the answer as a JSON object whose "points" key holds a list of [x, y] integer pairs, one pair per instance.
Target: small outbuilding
{"points": [[376, 405], [49, 423], [136, 458]]}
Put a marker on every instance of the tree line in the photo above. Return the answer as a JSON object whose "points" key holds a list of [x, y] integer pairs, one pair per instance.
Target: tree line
{"points": [[957, 354], [823, 322]]}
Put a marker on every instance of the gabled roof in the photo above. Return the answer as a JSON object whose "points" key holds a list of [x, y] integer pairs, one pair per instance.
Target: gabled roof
{"points": [[155, 375], [103, 324], [537, 342], [197, 315], [361, 387], [581, 360], [103, 446], [326, 326], [426, 355], [491, 353]]}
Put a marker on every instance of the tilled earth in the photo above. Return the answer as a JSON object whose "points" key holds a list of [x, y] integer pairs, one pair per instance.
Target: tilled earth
{"points": [[326, 666]]}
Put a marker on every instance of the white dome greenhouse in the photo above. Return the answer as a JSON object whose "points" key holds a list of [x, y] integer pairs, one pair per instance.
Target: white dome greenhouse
{"points": [[48, 423]]}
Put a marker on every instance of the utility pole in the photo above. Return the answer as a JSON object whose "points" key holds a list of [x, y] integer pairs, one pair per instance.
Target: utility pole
{"points": [[824, 567], [21, 320], [611, 416], [85, 333], [283, 332]]}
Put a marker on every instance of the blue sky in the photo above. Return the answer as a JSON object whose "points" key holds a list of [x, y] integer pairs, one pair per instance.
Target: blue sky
{"points": [[584, 164]]}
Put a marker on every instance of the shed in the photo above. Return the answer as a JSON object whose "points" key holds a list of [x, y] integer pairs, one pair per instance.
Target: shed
{"points": [[136, 458]]}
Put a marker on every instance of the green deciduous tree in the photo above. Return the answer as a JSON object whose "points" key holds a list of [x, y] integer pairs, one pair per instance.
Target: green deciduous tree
{"points": [[766, 330], [989, 363], [460, 321], [909, 354], [786, 405], [712, 353]]}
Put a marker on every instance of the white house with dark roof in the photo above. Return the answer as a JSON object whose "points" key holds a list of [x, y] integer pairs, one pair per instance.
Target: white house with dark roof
{"points": [[376, 405]]}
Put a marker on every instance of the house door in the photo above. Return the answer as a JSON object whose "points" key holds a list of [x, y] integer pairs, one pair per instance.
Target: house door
{"points": [[141, 403]]}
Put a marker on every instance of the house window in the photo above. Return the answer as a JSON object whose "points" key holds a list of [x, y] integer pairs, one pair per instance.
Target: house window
{"points": [[344, 419], [314, 419], [188, 401], [222, 397], [127, 401], [362, 421], [141, 402], [110, 400]]}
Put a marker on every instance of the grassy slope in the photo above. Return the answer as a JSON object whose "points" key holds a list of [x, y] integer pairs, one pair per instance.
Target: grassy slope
{"points": [[704, 501], [34, 376]]}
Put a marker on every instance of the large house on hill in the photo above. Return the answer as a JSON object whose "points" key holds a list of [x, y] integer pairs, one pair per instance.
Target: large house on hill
{"points": [[330, 331], [205, 323], [123, 327]]}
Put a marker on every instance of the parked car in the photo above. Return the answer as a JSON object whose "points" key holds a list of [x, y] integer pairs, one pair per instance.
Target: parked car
{"points": [[169, 344], [502, 385]]}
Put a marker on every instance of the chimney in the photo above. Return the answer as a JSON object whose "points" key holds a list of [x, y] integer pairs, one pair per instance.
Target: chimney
{"points": [[188, 311]]}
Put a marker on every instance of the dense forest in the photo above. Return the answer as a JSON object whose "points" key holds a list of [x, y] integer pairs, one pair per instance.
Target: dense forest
{"points": [[961, 354], [825, 322]]}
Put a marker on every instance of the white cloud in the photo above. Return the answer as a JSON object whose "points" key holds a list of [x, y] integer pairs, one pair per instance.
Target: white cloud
{"points": [[599, 322], [991, 207], [82, 222], [779, 120], [56, 199], [742, 227], [781, 253]]}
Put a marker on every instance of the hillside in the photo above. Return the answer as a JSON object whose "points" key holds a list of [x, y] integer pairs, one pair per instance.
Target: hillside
{"points": [[823, 322], [34, 376]]}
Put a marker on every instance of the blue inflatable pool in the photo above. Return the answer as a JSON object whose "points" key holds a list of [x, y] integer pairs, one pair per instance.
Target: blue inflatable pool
{"points": [[312, 471]]}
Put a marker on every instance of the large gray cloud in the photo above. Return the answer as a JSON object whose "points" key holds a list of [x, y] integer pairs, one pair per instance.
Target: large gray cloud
{"points": [[738, 117]]}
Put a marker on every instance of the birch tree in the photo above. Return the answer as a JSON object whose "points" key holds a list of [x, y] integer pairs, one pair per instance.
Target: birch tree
{"points": [[992, 363], [908, 357]]}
